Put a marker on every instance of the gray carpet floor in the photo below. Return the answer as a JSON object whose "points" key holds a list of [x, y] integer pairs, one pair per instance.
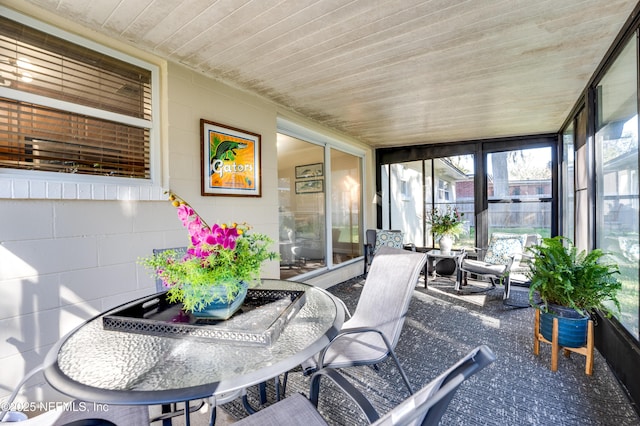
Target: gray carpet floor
{"points": [[517, 389]]}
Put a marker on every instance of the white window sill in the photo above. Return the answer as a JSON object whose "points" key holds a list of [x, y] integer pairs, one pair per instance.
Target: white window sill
{"points": [[74, 187]]}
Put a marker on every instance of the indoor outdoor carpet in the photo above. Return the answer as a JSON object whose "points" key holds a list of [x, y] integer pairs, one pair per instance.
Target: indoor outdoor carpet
{"points": [[517, 389]]}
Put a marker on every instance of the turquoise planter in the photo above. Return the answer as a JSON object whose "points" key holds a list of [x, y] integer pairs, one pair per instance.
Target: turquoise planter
{"points": [[222, 308], [572, 327]]}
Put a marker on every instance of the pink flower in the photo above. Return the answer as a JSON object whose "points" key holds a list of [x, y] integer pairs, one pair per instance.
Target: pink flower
{"points": [[218, 237], [230, 237], [184, 213], [198, 252]]}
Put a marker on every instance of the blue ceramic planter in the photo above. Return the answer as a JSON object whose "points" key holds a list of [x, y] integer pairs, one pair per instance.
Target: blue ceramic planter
{"points": [[572, 327], [221, 308]]}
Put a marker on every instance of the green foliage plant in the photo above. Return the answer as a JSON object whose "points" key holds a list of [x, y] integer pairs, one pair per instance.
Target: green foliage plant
{"points": [[221, 255], [448, 222], [562, 276]]}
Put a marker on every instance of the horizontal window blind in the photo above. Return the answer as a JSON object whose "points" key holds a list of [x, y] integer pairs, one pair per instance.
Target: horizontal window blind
{"points": [[38, 138], [43, 138]]}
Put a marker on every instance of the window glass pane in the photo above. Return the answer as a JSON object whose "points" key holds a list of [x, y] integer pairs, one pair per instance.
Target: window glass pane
{"points": [[72, 128], [454, 187], [42, 64], [47, 139], [519, 191], [301, 204], [568, 191], [617, 177], [407, 208], [346, 200]]}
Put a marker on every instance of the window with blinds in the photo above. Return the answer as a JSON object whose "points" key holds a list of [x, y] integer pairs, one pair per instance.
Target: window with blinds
{"points": [[66, 108]]}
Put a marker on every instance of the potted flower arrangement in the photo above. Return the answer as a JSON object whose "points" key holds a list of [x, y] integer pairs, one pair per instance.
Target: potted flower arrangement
{"points": [[570, 286], [212, 278], [447, 225]]}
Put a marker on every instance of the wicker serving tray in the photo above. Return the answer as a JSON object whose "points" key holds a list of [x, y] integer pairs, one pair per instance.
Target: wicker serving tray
{"points": [[259, 321]]}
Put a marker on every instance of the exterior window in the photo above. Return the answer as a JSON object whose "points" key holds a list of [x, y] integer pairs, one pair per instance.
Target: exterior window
{"points": [[617, 195], [443, 191], [66, 108], [435, 183], [405, 195], [519, 191], [455, 178], [568, 170]]}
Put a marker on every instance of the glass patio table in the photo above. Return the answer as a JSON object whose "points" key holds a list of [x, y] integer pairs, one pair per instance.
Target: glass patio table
{"points": [[120, 367]]}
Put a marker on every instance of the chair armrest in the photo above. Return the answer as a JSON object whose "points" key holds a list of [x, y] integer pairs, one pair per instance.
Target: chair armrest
{"points": [[511, 258], [527, 257], [361, 401], [356, 330]]}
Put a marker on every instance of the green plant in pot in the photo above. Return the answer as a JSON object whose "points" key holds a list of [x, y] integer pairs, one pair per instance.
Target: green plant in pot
{"points": [[570, 286], [446, 225], [212, 277]]}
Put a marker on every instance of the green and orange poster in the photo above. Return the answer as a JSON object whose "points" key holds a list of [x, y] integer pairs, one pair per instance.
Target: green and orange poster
{"points": [[230, 161]]}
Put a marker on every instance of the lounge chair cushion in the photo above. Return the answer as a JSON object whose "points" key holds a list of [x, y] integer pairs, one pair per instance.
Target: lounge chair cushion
{"points": [[483, 268], [391, 239], [503, 245]]}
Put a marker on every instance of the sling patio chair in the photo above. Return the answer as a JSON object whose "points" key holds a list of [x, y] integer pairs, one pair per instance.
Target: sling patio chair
{"points": [[425, 407], [504, 253], [372, 333]]}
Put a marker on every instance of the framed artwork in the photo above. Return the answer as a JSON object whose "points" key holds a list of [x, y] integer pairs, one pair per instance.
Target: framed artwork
{"points": [[309, 171], [309, 186], [230, 161]]}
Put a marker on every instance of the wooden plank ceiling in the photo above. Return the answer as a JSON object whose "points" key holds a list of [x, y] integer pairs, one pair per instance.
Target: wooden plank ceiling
{"points": [[390, 73]]}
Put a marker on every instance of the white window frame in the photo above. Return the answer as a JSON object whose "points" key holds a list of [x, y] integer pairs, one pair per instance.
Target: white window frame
{"points": [[21, 184], [295, 130]]}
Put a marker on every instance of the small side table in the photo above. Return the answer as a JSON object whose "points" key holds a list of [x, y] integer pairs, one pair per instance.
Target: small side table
{"points": [[436, 256]]}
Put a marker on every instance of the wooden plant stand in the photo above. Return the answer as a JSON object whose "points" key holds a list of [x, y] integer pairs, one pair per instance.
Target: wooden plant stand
{"points": [[587, 350]]}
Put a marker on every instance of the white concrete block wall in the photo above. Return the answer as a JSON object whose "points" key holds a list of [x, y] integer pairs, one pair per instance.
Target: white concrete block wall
{"points": [[62, 262]]}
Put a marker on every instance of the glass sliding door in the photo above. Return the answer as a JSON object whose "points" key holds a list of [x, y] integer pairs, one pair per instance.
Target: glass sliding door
{"points": [[346, 206], [301, 193], [519, 191], [617, 200]]}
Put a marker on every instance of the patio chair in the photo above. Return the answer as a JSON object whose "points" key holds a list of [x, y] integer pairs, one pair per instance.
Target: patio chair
{"points": [[425, 407], [503, 253], [372, 333], [519, 273], [376, 238]]}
